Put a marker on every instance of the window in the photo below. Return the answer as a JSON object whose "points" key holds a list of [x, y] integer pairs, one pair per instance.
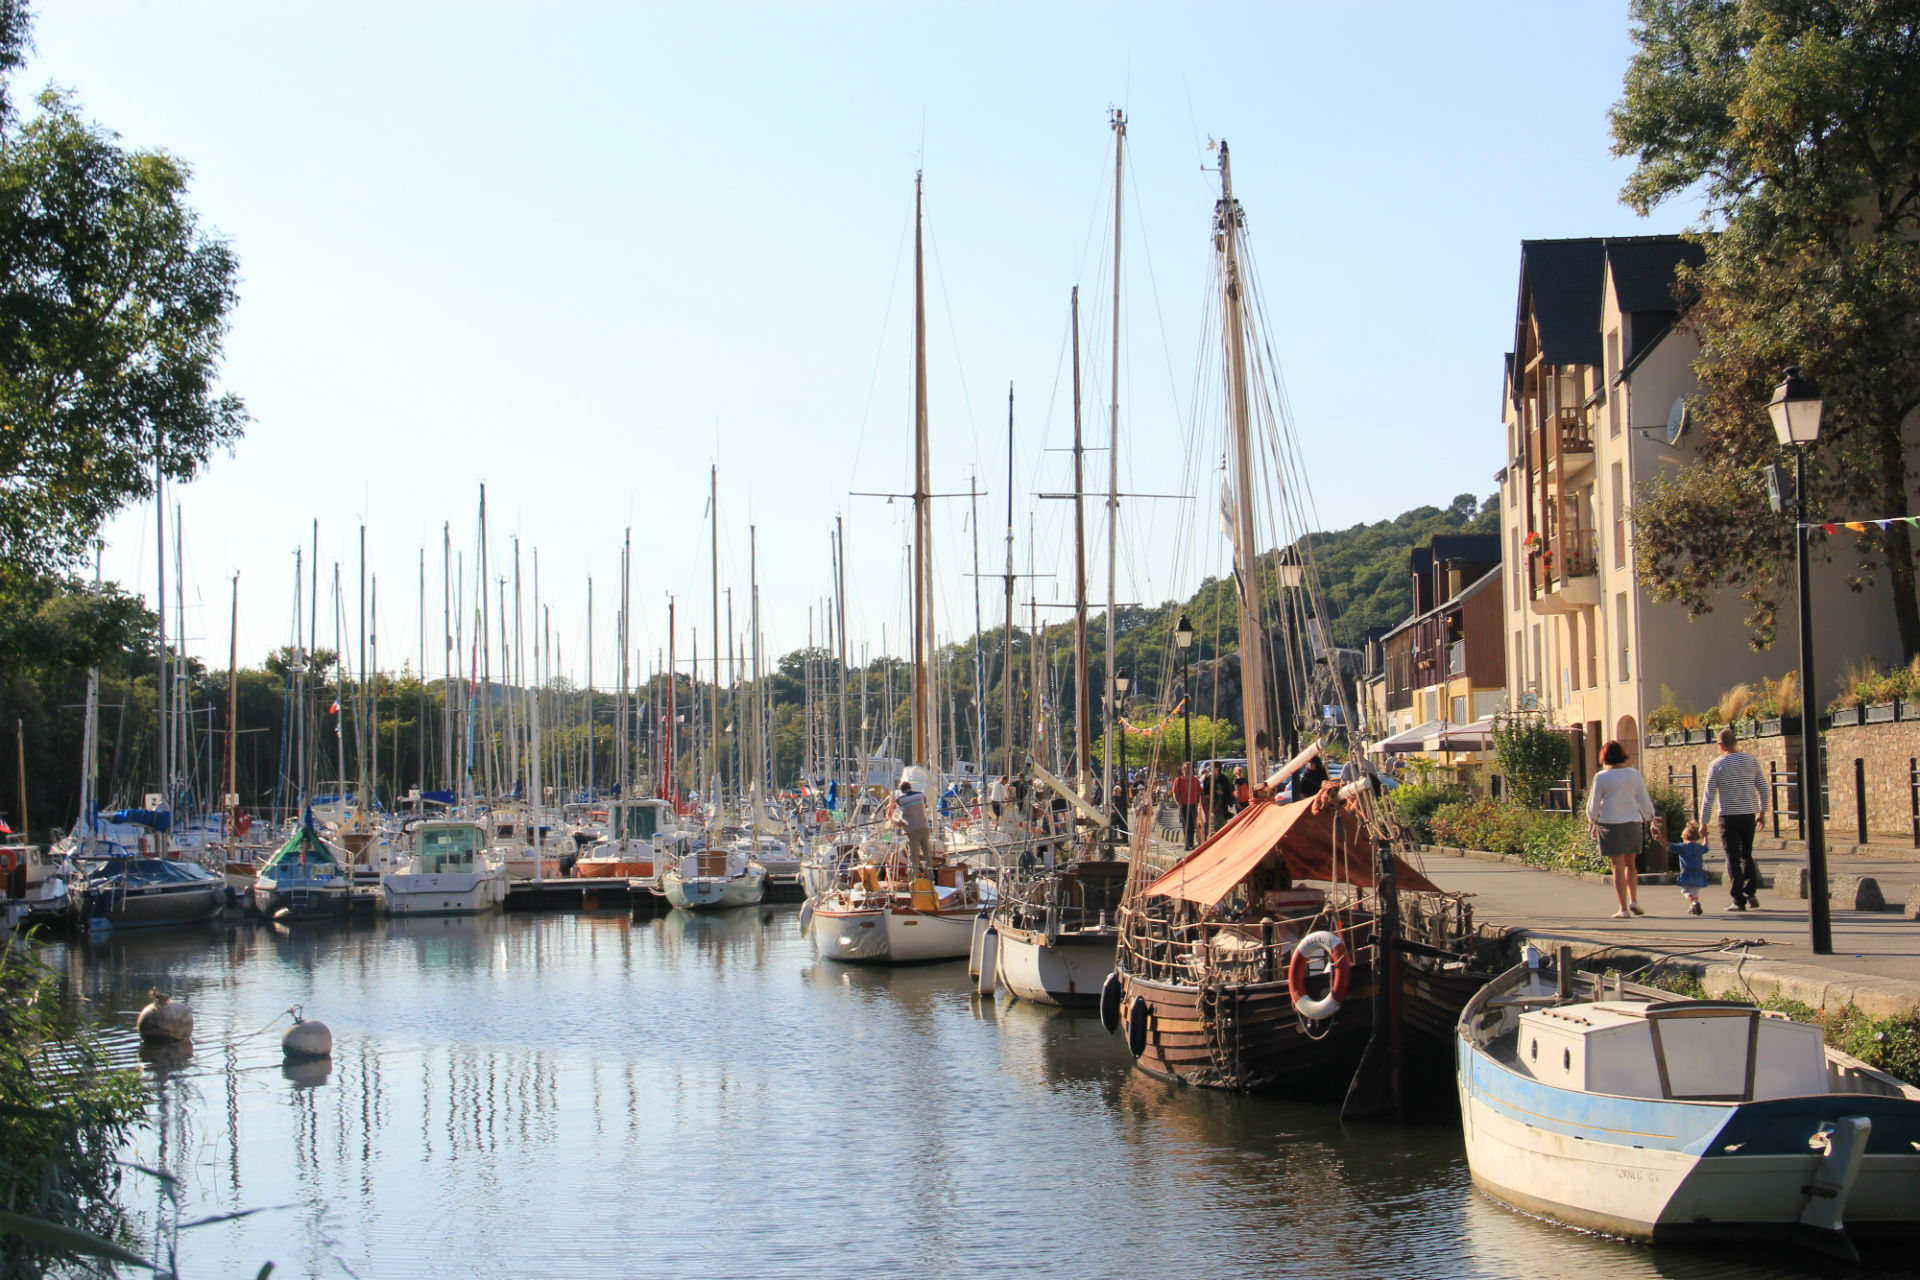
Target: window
{"points": [[1539, 668], [1460, 711], [1515, 568], [1623, 635], [1593, 652], [1517, 669], [1619, 517], [1432, 704], [1613, 367], [1573, 650]]}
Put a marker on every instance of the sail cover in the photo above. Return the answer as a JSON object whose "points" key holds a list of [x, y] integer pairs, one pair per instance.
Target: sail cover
{"points": [[1300, 834]]}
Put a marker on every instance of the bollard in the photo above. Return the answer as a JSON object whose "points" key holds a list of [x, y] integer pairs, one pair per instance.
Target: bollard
{"points": [[1860, 796]]}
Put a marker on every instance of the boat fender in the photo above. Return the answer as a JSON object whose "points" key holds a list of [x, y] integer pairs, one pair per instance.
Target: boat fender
{"points": [[981, 923], [1137, 1026], [806, 916], [306, 1038], [1339, 964], [1110, 1003], [989, 980], [165, 1019]]}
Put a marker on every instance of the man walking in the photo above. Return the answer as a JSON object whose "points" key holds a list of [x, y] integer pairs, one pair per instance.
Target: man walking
{"points": [[910, 808], [997, 798], [1735, 782], [1186, 794]]}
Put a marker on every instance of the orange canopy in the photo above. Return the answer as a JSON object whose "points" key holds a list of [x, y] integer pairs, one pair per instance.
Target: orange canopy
{"points": [[1300, 834]]}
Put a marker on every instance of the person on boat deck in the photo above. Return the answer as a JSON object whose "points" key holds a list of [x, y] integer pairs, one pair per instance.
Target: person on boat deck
{"points": [[910, 808], [1619, 812], [1122, 798], [1186, 794], [997, 798], [1311, 777]]}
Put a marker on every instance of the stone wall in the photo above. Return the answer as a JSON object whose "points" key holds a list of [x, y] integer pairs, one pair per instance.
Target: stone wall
{"points": [[1886, 751]]}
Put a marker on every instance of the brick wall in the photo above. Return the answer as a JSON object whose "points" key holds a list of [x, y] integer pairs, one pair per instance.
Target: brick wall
{"points": [[1885, 750]]}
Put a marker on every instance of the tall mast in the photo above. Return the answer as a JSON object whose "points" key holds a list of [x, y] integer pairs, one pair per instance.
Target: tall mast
{"points": [[591, 744], [359, 720], [1227, 224], [163, 691], [713, 697], [979, 662], [753, 587], [301, 660], [840, 611], [1082, 721], [230, 800], [447, 695], [1113, 463], [1006, 640], [922, 488], [669, 756], [422, 725]]}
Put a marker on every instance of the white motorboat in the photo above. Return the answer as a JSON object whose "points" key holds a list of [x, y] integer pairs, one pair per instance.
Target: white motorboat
{"points": [[1626, 1110], [450, 873], [711, 879]]}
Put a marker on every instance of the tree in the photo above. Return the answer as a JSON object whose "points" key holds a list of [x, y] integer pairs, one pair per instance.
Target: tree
{"points": [[113, 309], [1531, 754], [1797, 122]]}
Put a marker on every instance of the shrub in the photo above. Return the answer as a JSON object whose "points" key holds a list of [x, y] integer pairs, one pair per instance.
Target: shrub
{"points": [[1414, 804], [1665, 718], [1562, 842], [1673, 808], [1532, 754]]}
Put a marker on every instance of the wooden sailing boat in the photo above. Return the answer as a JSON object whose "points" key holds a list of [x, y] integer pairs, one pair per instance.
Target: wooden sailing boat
{"points": [[893, 907]]}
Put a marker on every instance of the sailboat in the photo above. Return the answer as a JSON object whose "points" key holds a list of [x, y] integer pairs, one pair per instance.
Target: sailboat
{"points": [[708, 879], [893, 906], [306, 878]]}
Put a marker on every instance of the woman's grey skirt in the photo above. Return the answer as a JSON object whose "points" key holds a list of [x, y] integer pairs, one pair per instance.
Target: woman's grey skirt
{"points": [[1622, 839]]}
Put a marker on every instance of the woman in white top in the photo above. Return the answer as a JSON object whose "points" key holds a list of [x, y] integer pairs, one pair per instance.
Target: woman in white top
{"points": [[1618, 811]]}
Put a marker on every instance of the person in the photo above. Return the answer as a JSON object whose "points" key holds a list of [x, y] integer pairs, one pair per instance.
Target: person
{"points": [[1242, 792], [1186, 794], [1122, 798], [1690, 853], [1311, 777], [910, 809], [1735, 783], [997, 798], [1219, 792], [1618, 811]]}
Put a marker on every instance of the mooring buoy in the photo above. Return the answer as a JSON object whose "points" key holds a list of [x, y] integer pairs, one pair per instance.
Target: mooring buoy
{"points": [[164, 1019], [306, 1038]]}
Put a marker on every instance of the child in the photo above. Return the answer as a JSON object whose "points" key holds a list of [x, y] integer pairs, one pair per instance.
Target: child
{"points": [[1691, 854]]}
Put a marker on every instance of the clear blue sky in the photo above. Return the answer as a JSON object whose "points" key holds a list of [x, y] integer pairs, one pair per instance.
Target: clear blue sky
{"points": [[582, 252]]}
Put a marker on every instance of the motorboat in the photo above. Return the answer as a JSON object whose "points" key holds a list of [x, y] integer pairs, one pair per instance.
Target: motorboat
{"points": [[627, 851], [1622, 1109], [306, 878], [31, 880], [451, 872], [131, 892], [529, 848], [710, 879]]}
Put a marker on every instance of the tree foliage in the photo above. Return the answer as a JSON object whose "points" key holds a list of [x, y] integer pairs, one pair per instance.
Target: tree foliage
{"points": [[1531, 755], [1797, 123], [113, 310]]}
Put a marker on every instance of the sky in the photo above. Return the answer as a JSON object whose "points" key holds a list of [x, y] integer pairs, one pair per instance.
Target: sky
{"points": [[581, 254]]}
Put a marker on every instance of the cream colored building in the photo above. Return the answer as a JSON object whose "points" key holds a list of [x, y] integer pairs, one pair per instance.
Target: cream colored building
{"points": [[1598, 371]]}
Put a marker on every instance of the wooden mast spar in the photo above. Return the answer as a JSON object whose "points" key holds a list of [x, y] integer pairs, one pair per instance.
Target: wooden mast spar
{"points": [[922, 489]]}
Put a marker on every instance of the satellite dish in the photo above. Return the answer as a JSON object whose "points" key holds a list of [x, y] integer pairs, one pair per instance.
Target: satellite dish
{"points": [[1679, 418]]}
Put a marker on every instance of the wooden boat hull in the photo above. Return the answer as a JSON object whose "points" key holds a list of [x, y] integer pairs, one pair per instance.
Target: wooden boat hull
{"points": [[1068, 972], [442, 894], [523, 868], [1661, 1171], [1246, 1036]]}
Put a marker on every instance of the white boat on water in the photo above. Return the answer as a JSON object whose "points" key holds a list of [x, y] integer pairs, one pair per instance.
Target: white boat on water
{"points": [[712, 879], [1054, 935], [450, 873], [625, 850], [1629, 1111]]}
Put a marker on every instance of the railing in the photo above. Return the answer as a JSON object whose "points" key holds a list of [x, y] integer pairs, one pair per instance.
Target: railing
{"points": [[1576, 435], [1690, 783], [1577, 553]]}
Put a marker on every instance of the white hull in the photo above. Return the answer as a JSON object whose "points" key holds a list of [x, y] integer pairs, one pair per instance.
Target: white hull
{"points": [[450, 893], [712, 893], [1069, 972], [882, 935]]}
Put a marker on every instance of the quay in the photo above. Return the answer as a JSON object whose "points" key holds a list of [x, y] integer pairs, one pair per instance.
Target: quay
{"points": [[1875, 963]]}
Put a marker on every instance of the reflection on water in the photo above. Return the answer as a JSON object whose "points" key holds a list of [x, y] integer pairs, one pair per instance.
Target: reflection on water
{"points": [[699, 1095]]}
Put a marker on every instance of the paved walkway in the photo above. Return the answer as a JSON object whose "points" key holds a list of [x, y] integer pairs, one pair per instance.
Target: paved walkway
{"points": [[1876, 960]]}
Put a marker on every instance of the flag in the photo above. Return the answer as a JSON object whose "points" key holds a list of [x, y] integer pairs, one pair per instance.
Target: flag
{"points": [[1831, 528], [5, 830], [334, 710], [1858, 526]]}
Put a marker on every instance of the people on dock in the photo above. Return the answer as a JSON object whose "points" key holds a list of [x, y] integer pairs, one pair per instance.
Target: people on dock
{"points": [[1690, 855], [1737, 785], [1219, 795], [997, 796], [1186, 794], [1619, 810]]}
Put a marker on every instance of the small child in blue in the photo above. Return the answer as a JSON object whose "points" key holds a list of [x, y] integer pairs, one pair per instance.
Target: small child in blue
{"points": [[1691, 855]]}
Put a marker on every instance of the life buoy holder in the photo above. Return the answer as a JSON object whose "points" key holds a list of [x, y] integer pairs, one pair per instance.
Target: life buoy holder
{"points": [[1339, 966]]}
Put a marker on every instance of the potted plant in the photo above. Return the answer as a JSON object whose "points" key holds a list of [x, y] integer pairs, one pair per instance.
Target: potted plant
{"points": [[1906, 682], [1663, 722], [1776, 706], [1845, 707]]}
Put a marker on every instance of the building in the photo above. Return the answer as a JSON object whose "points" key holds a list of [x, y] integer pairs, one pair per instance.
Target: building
{"points": [[1593, 403], [1444, 668]]}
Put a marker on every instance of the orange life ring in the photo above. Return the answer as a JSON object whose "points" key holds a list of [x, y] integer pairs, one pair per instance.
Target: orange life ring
{"points": [[1339, 963], [822, 817], [7, 861]]}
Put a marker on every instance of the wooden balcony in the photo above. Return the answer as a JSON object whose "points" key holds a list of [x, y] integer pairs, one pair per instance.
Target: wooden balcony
{"points": [[1564, 574]]}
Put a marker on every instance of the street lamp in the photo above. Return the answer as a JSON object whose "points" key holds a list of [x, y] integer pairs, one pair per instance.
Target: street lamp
{"points": [[1795, 410], [1183, 640]]}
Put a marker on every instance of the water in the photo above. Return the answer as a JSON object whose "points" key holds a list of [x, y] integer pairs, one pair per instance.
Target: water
{"points": [[586, 1095]]}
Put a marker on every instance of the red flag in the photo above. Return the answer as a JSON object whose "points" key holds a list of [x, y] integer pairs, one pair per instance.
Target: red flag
{"points": [[334, 710], [1831, 528]]}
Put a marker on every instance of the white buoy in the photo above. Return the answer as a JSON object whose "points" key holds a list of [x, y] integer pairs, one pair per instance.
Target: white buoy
{"points": [[165, 1019], [307, 1039]]}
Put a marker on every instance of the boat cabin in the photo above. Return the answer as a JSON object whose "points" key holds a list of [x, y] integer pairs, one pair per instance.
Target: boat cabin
{"points": [[447, 847], [1685, 1050], [637, 819]]}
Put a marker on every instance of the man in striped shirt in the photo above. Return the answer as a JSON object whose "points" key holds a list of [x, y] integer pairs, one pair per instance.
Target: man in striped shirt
{"points": [[1736, 783]]}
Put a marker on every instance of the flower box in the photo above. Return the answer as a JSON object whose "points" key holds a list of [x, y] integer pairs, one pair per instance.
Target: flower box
{"points": [[1845, 716], [1769, 728], [1746, 729], [1656, 740], [1907, 709], [1878, 713], [1699, 735]]}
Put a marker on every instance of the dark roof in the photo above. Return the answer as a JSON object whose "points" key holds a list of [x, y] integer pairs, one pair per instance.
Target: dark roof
{"points": [[1562, 280], [1465, 546], [1643, 268], [1479, 584]]}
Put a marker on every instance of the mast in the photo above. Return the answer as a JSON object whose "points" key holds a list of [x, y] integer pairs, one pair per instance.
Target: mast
{"points": [[840, 610], [979, 661], [922, 488], [300, 662], [1113, 464], [670, 736], [1228, 221], [359, 719], [230, 801], [1006, 640], [447, 653], [713, 697], [591, 744], [1082, 721], [753, 628], [163, 691]]}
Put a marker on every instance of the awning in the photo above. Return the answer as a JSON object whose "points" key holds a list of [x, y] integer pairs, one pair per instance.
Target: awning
{"points": [[1301, 834], [1477, 736], [1407, 739]]}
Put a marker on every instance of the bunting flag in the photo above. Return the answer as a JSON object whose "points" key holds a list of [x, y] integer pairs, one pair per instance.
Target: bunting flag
{"points": [[1883, 523], [1858, 526], [1831, 528]]}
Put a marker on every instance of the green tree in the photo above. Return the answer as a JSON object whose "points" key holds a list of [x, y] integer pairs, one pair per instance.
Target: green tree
{"points": [[1797, 124], [1531, 755], [113, 310]]}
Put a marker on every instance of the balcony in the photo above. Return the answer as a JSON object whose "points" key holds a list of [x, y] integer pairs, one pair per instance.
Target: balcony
{"points": [[1564, 574], [1576, 441]]}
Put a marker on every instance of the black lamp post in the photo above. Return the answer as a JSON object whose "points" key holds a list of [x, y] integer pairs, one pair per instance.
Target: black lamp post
{"points": [[1183, 640], [1795, 410]]}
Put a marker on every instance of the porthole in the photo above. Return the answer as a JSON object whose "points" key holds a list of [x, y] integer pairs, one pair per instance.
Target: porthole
{"points": [[1566, 1059], [1533, 1050]]}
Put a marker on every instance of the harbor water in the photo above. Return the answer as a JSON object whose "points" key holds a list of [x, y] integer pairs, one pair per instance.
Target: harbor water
{"points": [[594, 1095]]}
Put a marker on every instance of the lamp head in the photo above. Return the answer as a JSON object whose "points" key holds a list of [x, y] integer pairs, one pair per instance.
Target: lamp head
{"points": [[1121, 681], [1795, 409], [1183, 633]]}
